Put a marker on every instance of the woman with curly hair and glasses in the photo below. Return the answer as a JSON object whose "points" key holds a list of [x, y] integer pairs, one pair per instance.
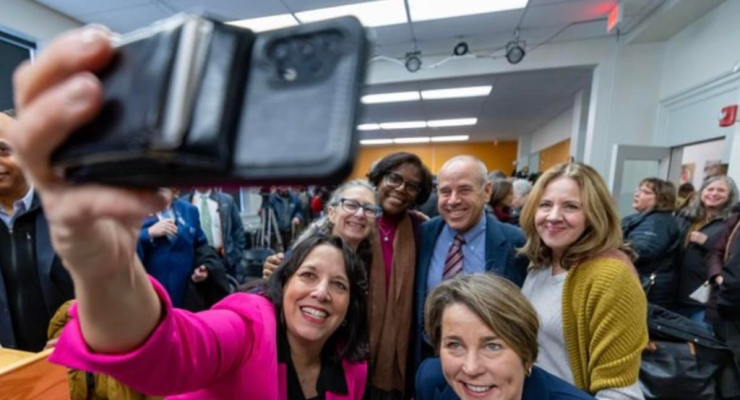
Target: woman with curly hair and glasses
{"points": [[351, 213]]}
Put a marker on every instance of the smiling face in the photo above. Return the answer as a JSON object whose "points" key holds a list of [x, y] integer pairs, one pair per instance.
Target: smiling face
{"points": [[560, 218], [476, 363], [396, 200], [12, 181], [353, 227], [715, 196], [644, 198], [316, 296], [462, 194]]}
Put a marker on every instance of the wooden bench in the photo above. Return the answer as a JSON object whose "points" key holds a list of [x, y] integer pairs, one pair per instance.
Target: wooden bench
{"points": [[30, 376]]}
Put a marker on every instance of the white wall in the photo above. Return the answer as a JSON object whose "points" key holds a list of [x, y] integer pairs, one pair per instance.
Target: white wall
{"points": [[703, 50], [33, 21], [699, 78], [636, 94], [699, 154], [553, 132]]}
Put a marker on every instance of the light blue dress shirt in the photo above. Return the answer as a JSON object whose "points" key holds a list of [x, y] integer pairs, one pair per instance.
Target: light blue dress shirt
{"points": [[19, 208], [474, 252]]}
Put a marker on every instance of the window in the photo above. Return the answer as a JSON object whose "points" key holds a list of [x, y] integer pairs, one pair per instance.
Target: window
{"points": [[13, 51]]}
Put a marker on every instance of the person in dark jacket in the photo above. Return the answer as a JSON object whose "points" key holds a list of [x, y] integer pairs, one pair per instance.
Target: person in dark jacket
{"points": [[653, 234], [701, 223], [724, 273], [174, 250], [33, 282], [225, 230], [485, 332], [287, 209]]}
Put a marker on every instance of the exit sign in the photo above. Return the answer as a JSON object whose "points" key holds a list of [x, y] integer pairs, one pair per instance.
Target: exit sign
{"points": [[615, 17]]}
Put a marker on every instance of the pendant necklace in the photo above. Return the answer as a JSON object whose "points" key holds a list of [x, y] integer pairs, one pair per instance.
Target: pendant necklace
{"points": [[385, 234]]}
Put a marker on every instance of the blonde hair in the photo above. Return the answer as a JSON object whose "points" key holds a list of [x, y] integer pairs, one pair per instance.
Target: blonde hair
{"points": [[603, 225], [496, 301]]}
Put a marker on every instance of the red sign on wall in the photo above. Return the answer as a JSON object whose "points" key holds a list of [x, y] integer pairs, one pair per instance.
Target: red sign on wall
{"points": [[728, 116], [614, 18]]}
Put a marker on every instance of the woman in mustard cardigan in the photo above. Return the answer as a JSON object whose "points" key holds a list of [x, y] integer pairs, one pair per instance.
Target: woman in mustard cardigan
{"points": [[583, 284]]}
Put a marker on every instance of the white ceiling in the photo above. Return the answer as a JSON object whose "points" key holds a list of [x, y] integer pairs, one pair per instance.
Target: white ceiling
{"points": [[543, 18], [519, 102]]}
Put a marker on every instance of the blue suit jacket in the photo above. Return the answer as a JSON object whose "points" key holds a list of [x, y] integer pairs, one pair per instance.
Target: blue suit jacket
{"points": [[541, 385], [171, 262], [502, 242]]}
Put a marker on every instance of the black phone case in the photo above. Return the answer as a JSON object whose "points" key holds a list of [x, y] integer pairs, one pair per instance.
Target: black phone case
{"points": [[249, 124]]}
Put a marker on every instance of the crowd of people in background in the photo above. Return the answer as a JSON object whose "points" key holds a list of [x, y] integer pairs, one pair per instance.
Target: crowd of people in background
{"points": [[467, 284]]}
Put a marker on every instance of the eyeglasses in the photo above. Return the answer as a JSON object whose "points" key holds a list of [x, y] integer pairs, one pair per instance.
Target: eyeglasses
{"points": [[351, 206], [395, 181]]}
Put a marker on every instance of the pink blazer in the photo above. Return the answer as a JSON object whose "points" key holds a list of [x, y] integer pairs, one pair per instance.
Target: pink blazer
{"points": [[227, 352]]}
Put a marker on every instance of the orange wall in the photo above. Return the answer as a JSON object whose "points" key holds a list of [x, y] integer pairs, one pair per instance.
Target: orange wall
{"points": [[495, 156], [555, 154]]}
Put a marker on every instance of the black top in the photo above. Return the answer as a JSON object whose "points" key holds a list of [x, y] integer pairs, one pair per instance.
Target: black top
{"points": [[331, 377], [22, 284], [693, 271], [656, 238]]}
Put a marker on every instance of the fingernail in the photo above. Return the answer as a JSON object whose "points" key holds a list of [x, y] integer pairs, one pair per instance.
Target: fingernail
{"points": [[92, 35], [81, 89]]}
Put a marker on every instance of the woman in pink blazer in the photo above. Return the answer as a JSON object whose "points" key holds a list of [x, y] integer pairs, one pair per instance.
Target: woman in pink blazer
{"points": [[304, 336]]}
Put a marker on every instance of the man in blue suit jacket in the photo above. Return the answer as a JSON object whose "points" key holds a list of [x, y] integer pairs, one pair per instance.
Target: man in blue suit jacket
{"points": [[174, 250], [463, 231]]}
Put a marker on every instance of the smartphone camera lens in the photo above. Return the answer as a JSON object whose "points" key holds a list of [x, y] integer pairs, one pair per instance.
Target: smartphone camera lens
{"points": [[281, 51], [307, 49]]}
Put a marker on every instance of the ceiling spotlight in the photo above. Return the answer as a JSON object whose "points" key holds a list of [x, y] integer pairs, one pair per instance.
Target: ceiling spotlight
{"points": [[413, 61], [515, 51], [460, 49]]}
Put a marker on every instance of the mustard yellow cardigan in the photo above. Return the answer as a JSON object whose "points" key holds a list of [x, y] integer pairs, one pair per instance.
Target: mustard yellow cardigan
{"points": [[604, 322]]}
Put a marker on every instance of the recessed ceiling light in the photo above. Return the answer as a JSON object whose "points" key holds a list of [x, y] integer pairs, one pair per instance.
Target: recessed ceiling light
{"points": [[371, 13], [424, 10], [403, 125], [473, 91], [266, 23], [390, 97], [368, 127], [440, 123], [456, 138], [371, 142], [423, 139]]}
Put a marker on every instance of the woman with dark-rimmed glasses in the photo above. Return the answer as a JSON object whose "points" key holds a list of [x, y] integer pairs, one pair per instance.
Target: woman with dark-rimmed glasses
{"points": [[403, 182], [350, 214]]}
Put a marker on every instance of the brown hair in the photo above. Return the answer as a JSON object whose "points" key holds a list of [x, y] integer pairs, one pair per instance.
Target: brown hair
{"points": [[496, 301], [603, 226], [665, 193], [500, 190]]}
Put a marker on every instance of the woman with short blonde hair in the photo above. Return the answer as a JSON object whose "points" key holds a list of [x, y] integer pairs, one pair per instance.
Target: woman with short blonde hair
{"points": [[485, 332], [583, 284]]}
